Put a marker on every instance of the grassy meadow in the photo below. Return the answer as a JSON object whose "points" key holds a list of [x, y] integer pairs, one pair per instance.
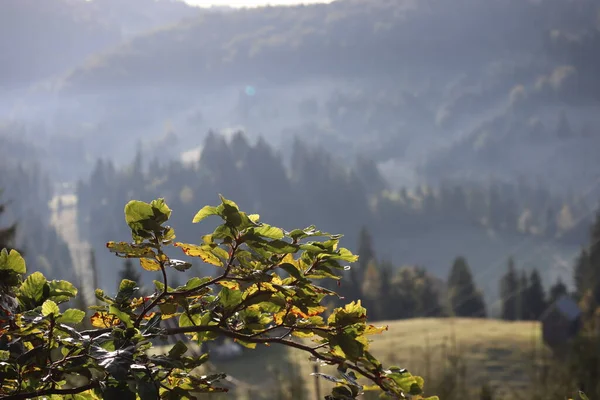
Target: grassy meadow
{"points": [[452, 354]]}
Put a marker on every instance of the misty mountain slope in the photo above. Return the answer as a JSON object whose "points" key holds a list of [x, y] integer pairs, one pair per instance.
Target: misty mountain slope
{"points": [[400, 82], [347, 37], [40, 39]]}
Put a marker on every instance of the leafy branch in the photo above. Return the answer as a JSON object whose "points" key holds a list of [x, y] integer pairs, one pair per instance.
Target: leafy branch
{"points": [[266, 294]]}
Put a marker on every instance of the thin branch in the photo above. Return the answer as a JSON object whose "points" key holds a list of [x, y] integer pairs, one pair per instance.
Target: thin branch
{"points": [[158, 298], [277, 340], [61, 392]]}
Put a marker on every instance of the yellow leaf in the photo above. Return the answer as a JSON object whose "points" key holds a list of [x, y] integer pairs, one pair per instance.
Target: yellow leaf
{"points": [[302, 334], [230, 285], [204, 252], [373, 330], [149, 264], [104, 320]]}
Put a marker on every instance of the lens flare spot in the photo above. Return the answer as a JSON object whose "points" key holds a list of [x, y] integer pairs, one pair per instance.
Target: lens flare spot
{"points": [[250, 90]]}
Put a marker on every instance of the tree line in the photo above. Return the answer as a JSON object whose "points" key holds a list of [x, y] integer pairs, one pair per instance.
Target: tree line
{"points": [[312, 181]]}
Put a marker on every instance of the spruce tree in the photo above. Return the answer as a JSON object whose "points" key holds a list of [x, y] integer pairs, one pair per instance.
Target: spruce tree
{"points": [[582, 274], [130, 272], [371, 290], [522, 305], [366, 255], [386, 295], [509, 290], [556, 291], [428, 297], [535, 297], [463, 298]]}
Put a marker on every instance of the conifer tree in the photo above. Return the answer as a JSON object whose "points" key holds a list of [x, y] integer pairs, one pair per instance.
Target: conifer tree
{"points": [[509, 289], [535, 297], [557, 290], [463, 298], [582, 274], [522, 305], [129, 272], [366, 255], [371, 290]]}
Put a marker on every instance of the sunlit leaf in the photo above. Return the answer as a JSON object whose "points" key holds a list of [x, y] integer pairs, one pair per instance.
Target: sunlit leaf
{"points": [[204, 252], [49, 308], [33, 291], [12, 261], [71, 316], [104, 320], [149, 264], [204, 212]]}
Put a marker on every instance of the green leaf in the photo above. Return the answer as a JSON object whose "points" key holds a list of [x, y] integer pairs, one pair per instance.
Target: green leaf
{"points": [[12, 261], [184, 320], [143, 218], [229, 203], [50, 308], [137, 211], [124, 317], [168, 308], [195, 282], [204, 212], [127, 285], [61, 291], [230, 298], [269, 231], [292, 270], [178, 350], [4, 355], [71, 316], [129, 249], [162, 212], [33, 291]]}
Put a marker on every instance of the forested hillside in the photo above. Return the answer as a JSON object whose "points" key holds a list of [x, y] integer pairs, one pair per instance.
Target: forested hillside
{"points": [[40, 39], [429, 90], [422, 225], [468, 126]]}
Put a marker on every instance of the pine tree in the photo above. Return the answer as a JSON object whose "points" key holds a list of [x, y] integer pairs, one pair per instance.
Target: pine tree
{"points": [[129, 272], [509, 289], [535, 297], [366, 255], [371, 290], [428, 297], [463, 298], [582, 274], [594, 259], [522, 305], [386, 291], [556, 291]]}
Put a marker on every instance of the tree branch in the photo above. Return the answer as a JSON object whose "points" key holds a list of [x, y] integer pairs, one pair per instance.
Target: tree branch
{"points": [[62, 392], [278, 340]]}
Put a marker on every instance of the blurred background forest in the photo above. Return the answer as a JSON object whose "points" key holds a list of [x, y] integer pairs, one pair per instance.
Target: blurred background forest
{"points": [[454, 143]]}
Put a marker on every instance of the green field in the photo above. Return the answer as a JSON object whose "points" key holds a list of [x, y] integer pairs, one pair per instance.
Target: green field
{"points": [[496, 352]]}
